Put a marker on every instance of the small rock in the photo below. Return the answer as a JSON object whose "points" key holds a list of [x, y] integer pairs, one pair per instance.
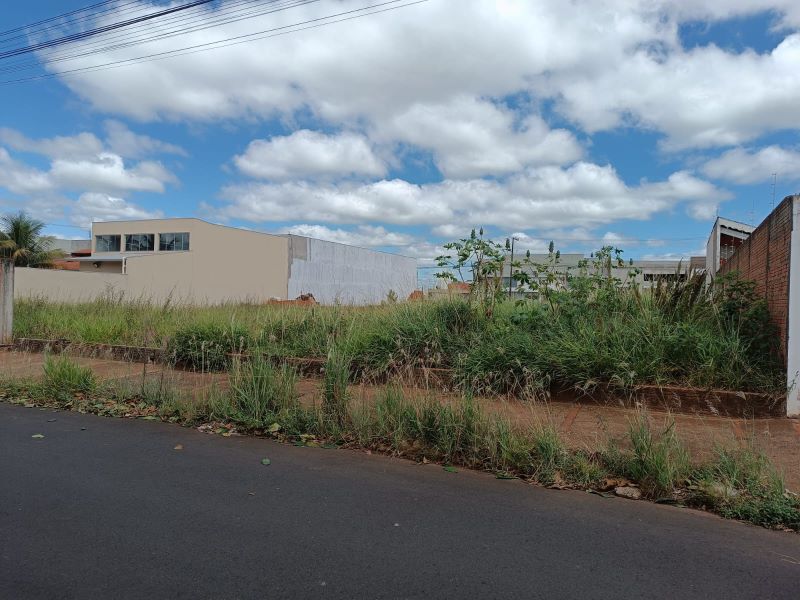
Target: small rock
{"points": [[631, 493]]}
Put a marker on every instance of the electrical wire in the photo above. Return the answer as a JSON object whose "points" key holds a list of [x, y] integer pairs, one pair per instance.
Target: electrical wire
{"points": [[64, 21], [91, 32], [60, 17], [348, 15], [190, 25]]}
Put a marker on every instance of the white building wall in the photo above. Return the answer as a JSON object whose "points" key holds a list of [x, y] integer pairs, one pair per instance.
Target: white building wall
{"points": [[793, 334], [712, 252], [336, 273]]}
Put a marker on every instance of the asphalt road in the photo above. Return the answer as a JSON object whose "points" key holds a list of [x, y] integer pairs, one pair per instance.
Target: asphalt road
{"points": [[114, 511]]}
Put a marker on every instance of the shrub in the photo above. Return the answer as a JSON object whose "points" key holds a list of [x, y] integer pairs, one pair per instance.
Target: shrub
{"points": [[206, 347]]}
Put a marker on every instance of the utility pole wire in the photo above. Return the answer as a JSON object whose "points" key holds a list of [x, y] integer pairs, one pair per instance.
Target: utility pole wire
{"points": [[240, 39], [97, 30], [156, 32]]}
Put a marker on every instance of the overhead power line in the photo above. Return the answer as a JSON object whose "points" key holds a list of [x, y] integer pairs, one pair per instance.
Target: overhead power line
{"points": [[60, 17], [339, 17], [176, 25], [71, 19], [97, 30]]}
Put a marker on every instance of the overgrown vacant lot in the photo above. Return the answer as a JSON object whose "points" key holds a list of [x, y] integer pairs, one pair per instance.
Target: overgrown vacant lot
{"points": [[596, 331]]}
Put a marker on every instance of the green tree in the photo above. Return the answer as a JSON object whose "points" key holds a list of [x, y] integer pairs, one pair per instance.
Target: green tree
{"points": [[21, 240], [484, 260]]}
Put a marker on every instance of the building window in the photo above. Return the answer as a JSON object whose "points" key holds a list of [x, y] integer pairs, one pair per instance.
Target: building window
{"points": [[140, 242], [167, 242], [106, 243]]}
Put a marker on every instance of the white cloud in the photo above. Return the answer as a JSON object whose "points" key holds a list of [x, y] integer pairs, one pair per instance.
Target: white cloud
{"points": [[619, 62], [81, 163], [754, 166], [48, 208], [19, 178], [583, 194], [119, 140], [74, 146], [365, 235], [425, 252], [128, 144], [704, 97], [101, 207], [108, 173], [471, 138], [310, 154]]}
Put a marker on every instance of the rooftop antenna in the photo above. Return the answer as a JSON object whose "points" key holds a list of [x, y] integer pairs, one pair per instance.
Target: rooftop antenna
{"points": [[774, 181]]}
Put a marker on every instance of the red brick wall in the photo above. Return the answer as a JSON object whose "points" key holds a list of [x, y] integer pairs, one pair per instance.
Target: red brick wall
{"points": [[764, 258]]}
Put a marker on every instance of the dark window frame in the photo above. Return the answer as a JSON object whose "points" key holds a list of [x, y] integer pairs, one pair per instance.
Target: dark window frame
{"points": [[105, 239], [130, 237], [178, 243]]}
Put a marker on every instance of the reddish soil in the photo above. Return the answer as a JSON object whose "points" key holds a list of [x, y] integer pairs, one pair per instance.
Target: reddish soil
{"points": [[582, 424]]}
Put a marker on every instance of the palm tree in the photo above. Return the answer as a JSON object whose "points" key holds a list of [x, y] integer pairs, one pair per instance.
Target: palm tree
{"points": [[21, 240]]}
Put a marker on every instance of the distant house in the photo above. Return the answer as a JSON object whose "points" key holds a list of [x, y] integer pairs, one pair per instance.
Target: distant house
{"points": [[72, 249], [726, 236], [645, 273]]}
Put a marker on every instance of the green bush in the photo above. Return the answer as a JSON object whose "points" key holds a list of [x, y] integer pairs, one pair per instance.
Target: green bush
{"points": [[207, 346]]}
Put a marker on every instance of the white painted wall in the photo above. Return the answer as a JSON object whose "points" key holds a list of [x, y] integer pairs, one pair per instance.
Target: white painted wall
{"points": [[336, 273], [793, 344]]}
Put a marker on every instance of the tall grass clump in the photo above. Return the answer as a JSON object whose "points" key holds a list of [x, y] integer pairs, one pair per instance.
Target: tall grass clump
{"points": [[336, 379], [260, 391], [742, 483], [63, 378], [207, 346], [659, 461]]}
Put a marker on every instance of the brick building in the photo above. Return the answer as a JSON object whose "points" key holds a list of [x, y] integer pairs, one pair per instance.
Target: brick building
{"points": [[770, 256]]}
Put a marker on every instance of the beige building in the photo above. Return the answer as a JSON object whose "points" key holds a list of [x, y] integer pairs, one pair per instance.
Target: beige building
{"points": [[195, 261]]}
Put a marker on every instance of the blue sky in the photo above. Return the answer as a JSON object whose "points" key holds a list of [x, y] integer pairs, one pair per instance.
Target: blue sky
{"points": [[631, 124]]}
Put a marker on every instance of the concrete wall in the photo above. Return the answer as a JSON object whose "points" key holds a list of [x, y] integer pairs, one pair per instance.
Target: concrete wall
{"points": [[346, 274], [66, 286], [793, 326]]}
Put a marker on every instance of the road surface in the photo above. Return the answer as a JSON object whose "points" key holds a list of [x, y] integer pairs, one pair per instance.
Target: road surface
{"points": [[108, 508]]}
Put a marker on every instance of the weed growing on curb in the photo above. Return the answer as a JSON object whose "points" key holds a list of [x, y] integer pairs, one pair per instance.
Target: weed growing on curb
{"points": [[63, 378]]}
